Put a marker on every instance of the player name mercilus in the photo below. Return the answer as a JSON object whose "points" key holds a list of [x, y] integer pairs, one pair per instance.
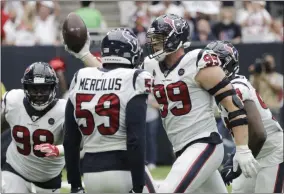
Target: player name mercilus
{"points": [[100, 84]]}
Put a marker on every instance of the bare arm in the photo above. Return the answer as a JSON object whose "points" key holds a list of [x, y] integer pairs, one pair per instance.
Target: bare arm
{"points": [[208, 78], [257, 133]]}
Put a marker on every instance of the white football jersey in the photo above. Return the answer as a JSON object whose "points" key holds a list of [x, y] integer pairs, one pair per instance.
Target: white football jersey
{"points": [[187, 110], [27, 133], [100, 98], [246, 92]]}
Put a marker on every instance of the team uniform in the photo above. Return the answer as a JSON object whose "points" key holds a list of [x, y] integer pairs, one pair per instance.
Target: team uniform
{"points": [[26, 169], [271, 175], [188, 118], [101, 98]]}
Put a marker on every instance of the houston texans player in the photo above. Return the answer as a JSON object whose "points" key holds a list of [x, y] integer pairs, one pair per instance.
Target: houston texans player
{"points": [[35, 117], [106, 110], [265, 133], [185, 86]]}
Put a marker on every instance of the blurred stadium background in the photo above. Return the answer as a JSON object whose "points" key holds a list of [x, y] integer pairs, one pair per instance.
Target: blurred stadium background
{"points": [[31, 31]]}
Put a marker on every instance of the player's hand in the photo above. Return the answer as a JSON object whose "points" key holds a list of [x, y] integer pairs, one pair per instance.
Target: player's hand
{"points": [[49, 149], [83, 52], [227, 172], [246, 161], [77, 190]]}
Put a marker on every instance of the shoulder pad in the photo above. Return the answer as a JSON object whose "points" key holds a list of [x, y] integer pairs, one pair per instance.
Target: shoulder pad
{"points": [[74, 81], [142, 82], [207, 58], [149, 64], [243, 91]]}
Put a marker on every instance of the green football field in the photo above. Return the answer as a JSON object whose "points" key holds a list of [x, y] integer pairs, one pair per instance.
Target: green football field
{"points": [[159, 173]]}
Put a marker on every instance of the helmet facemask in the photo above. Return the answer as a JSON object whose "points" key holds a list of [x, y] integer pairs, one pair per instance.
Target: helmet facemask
{"points": [[40, 95], [159, 45]]}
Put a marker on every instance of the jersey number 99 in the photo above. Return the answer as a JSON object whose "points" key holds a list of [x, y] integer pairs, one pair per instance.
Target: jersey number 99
{"points": [[108, 105], [175, 92]]}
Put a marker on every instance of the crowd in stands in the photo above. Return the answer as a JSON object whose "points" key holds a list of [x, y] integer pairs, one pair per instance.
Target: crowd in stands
{"points": [[28, 23]]}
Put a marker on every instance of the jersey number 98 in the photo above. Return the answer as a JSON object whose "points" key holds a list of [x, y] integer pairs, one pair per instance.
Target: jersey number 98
{"points": [[108, 105], [22, 136]]}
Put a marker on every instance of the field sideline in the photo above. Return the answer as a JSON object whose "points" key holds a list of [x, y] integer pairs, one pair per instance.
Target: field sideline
{"points": [[158, 174]]}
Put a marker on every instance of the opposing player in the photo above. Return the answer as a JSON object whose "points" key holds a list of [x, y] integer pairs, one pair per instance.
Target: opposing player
{"points": [[106, 110], [266, 135], [35, 117], [185, 86]]}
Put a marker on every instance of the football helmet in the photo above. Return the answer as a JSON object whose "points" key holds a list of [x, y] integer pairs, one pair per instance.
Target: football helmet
{"points": [[39, 83], [166, 35], [228, 55], [121, 46]]}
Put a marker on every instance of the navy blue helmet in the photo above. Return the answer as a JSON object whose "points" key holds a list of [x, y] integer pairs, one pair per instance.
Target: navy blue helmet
{"points": [[121, 46], [39, 83], [228, 55], [167, 34]]}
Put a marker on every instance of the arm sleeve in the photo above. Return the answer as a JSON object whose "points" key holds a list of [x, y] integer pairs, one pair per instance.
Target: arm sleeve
{"points": [[135, 123], [72, 140]]}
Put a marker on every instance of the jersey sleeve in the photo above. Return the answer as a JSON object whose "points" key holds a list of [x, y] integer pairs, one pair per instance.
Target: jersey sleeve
{"points": [[142, 82], [207, 58], [243, 92]]}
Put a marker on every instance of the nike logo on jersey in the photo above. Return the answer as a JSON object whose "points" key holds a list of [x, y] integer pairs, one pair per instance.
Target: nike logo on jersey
{"points": [[228, 172], [34, 118]]}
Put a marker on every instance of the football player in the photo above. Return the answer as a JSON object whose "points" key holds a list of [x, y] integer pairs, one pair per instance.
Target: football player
{"points": [[185, 85], [106, 110], [265, 133], [35, 117]]}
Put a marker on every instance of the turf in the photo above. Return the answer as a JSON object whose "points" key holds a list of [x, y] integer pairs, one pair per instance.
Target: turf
{"points": [[159, 173]]}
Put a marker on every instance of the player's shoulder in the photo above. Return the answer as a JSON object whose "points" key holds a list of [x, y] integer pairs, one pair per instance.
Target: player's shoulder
{"points": [[59, 108], [14, 96], [142, 81], [149, 64], [203, 58], [243, 87]]}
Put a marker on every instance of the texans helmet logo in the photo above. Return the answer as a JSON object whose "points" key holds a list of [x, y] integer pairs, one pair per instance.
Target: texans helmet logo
{"points": [[232, 50]]}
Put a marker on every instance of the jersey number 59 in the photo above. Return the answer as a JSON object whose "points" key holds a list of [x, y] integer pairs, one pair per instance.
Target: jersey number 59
{"points": [[108, 105]]}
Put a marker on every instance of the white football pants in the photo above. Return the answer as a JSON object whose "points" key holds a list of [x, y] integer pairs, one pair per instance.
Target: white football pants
{"points": [[196, 170], [268, 180], [115, 182], [12, 183]]}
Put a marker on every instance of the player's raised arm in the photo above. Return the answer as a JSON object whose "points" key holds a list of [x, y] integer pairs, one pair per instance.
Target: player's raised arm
{"points": [[212, 78], [77, 40]]}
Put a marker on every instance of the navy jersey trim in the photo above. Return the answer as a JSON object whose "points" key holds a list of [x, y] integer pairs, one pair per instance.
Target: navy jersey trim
{"points": [[136, 73], [164, 68], [5, 100], [33, 112], [199, 57], [278, 187]]}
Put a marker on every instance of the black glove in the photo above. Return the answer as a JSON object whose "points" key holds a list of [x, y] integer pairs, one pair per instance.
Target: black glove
{"points": [[227, 172], [77, 190]]}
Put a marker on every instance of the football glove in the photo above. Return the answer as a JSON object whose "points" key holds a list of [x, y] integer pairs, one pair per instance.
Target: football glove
{"points": [[244, 158], [49, 149], [227, 172], [83, 52], [77, 190]]}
